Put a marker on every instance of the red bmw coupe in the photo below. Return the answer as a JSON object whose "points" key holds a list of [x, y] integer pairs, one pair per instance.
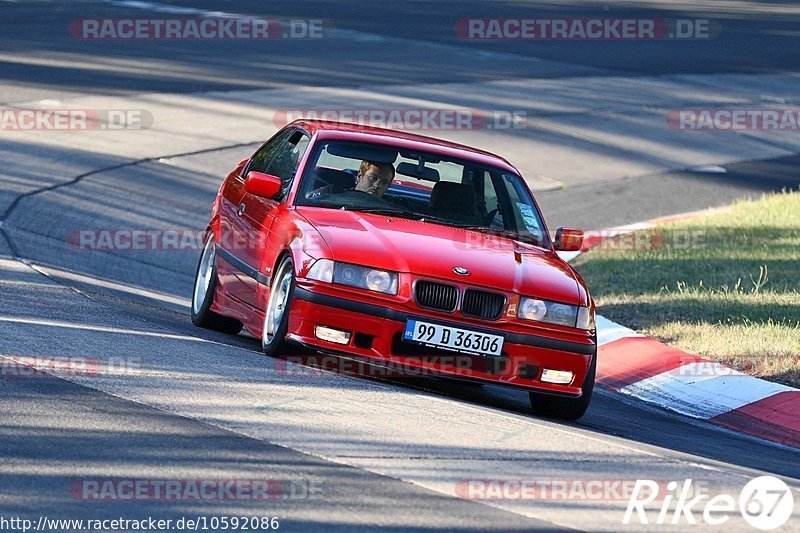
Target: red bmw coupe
{"points": [[399, 248]]}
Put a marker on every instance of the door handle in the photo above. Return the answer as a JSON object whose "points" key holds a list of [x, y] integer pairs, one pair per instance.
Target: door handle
{"points": [[240, 212]]}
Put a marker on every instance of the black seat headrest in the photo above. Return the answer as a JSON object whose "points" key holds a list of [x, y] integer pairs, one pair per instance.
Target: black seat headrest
{"points": [[454, 198], [337, 178]]}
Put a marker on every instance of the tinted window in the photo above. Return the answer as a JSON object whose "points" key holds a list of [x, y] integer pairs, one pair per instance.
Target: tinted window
{"points": [[284, 160], [262, 158], [281, 156]]}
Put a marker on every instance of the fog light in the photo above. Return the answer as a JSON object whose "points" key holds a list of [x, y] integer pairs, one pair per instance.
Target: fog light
{"points": [[332, 335], [561, 377]]}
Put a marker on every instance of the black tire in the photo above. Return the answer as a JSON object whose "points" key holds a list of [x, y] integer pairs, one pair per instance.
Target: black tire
{"points": [[276, 343], [552, 406], [202, 315]]}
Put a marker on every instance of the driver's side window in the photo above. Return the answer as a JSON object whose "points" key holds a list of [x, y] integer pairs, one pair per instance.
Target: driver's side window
{"points": [[281, 156], [262, 158]]}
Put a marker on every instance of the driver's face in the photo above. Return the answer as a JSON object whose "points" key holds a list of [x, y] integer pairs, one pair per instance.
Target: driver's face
{"points": [[373, 181]]}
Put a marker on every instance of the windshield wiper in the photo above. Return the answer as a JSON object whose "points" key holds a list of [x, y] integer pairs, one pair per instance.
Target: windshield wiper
{"points": [[528, 238], [384, 211]]}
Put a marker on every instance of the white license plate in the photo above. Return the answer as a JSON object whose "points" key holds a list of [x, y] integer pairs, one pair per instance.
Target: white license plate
{"points": [[448, 337]]}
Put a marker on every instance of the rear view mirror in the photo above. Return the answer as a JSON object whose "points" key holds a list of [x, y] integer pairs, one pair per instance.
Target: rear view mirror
{"points": [[414, 171], [260, 184], [366, 152], [568, 240]]}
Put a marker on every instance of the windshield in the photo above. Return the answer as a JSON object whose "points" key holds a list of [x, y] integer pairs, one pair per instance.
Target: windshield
{"points": [[426, 186]]}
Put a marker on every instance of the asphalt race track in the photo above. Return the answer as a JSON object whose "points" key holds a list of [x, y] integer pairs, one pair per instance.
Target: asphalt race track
{"points": [[171, 401]]}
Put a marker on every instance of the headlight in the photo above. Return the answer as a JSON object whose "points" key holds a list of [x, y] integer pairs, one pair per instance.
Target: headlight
{"points": [[555, 313], [371, 279], [585, 319], [381, 281], [322, 270]]}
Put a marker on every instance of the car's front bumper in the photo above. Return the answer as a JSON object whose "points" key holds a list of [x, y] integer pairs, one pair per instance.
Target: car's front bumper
{"points": [[376, 333]]}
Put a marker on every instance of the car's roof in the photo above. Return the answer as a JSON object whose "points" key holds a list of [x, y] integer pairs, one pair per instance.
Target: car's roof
{"points": [[344, 130]]}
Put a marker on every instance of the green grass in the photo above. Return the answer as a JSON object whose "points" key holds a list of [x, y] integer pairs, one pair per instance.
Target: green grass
{"points": [[725, 286]]}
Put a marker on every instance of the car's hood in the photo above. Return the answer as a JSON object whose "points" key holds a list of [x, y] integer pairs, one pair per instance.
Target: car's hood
{"points": [[434, 250]]}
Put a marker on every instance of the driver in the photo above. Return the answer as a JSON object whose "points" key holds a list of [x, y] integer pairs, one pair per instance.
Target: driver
{"points": [[373, 178]]}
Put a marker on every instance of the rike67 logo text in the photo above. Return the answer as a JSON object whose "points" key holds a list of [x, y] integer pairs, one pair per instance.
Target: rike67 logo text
{"points": [[765, 503]]}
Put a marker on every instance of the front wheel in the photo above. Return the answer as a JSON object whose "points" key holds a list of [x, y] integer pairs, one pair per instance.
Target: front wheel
{"points": [[552, 406], [276, 315], [205, 282]]}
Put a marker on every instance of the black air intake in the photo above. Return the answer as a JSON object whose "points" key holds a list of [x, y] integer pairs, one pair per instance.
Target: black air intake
{"points": [[482, 304], [438, 296]]}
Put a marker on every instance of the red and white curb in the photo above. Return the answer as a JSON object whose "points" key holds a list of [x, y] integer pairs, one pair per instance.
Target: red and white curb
{"points": [[644, 368]]}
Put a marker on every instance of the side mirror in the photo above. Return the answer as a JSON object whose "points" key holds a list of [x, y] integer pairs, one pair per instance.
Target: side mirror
{"points": [[568, 240], [261, 184]]}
